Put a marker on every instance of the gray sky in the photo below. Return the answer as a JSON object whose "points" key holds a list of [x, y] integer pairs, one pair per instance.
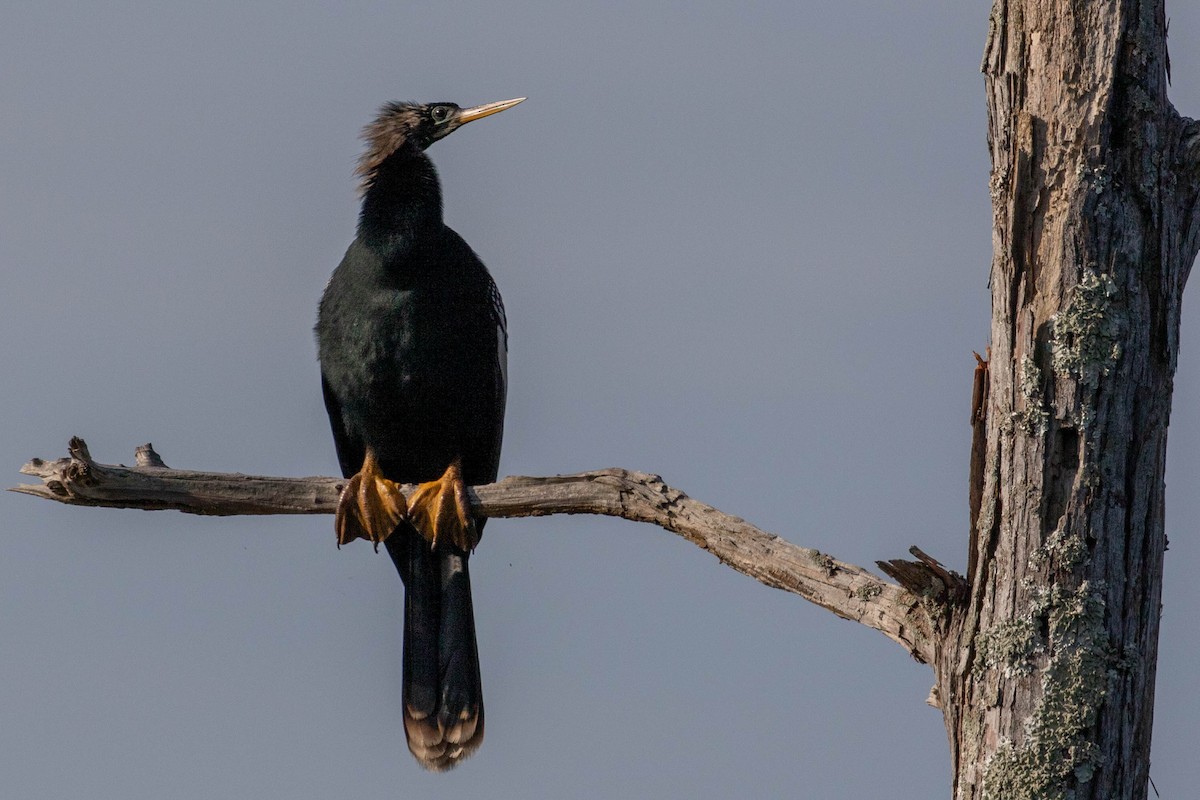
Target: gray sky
{"points": [[741, 245]]}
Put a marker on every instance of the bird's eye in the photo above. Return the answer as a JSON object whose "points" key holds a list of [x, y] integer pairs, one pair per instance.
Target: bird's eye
{"points": [[440, 113]]}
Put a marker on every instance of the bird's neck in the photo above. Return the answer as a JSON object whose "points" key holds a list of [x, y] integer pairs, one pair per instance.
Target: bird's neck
{"points": [[402, 206]]}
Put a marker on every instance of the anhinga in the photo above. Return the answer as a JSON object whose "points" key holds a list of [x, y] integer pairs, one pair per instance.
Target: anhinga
{"points": [[413, 348]]}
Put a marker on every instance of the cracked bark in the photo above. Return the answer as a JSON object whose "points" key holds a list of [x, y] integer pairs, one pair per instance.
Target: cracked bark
{"points": [[1047, 671]]}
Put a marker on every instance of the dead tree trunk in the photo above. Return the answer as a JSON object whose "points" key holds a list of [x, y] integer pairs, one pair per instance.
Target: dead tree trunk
{"points": [[1046, 675], [1044, 657]]}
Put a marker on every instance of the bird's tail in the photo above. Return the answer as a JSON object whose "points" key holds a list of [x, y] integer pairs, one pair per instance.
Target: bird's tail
{"points": [[443, 695]]}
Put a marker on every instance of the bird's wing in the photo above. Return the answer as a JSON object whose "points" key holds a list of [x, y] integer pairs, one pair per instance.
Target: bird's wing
{"points": [[501, 369], [350, 452]]}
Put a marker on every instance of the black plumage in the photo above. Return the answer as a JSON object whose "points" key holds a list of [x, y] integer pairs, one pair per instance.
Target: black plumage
{"points": [[413, 346]]}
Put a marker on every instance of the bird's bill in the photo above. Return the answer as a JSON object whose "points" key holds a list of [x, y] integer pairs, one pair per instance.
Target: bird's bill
{"points": [[486, 110]]}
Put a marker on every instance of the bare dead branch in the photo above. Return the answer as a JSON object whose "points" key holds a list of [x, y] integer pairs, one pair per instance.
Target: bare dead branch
{"points": [[845, 589], [926, 577]]}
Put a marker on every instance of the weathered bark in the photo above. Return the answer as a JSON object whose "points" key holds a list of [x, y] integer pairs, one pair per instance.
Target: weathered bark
{"points": [[845, 589], [1047, 673]]}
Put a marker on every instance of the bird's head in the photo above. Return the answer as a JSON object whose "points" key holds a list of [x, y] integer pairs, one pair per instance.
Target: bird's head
{"points": [[421, 125]]}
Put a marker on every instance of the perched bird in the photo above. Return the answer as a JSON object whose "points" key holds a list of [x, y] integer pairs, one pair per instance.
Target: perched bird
{"points": [[413, 348]]}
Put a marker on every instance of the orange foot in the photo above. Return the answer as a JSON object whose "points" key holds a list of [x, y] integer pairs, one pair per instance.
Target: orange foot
{"points": [[440, 509], [370, 506]]}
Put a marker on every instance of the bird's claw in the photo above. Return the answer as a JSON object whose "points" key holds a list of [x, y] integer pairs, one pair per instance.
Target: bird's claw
{"points": [[441, 510], [370, 506]]}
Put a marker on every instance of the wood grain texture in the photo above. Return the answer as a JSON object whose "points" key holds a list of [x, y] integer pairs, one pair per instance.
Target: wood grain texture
{"points": [[1047, 674], [847, 590]]}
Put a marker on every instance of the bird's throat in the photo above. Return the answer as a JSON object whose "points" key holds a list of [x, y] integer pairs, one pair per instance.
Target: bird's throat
{"points": [[402, 204]]}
